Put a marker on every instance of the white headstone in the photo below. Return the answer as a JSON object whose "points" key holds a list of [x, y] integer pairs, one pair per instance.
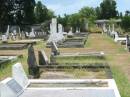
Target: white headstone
{"points": [[10, 88], [109, 28], [60, 28], [4, 38], [19, 75], [54, 25], [104, 28], [113, 27], [54, 36], [77, 30], [60, 32], [32, 34], [7, 32], [70, 32]]}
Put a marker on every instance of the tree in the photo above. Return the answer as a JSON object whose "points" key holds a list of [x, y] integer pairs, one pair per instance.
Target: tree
{"points": [[127, 13], [40, 12], [5, 8], [28, 12], [98, 12], [126, 23], [87, 12], [50, 14], [108, 9]]}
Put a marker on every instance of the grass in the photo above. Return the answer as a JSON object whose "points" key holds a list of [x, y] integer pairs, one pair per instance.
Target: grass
{"points": [[6, 70], [81, 59], [122, 82]]}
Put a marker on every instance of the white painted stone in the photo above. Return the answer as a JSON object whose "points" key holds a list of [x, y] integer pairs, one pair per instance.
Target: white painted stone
{"points": [[70, 32], [104, 28], [4, 38], [117, 38], [54, 36], [10, 88], [7, 32], [19, 75], [32, 34]]}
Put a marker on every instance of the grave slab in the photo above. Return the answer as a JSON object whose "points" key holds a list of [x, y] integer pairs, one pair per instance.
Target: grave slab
{"points": [[13, 46]]}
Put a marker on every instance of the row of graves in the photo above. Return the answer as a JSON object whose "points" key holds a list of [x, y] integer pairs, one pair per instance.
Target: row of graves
{"points": [[64, 39], [117, 37], [49, 78], [16, 38]]}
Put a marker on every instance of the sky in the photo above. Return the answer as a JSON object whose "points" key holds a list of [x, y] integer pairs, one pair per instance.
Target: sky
{"points": [[60, 7]]}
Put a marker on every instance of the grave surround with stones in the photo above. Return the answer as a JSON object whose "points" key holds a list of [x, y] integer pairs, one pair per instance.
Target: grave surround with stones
{"points": [[15, 89]]}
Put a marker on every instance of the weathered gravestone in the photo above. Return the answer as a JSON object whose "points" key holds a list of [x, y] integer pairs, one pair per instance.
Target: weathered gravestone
{"points": [[127, 42], [43, 60], [70, 34], [4, 38], [32, 34], [54, 52], [118, 38], [54, 49], [19, 75], [55, 36], [32, 64]]}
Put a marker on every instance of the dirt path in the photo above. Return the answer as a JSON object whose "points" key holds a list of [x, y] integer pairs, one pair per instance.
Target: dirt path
{"points": [[115, 53]]}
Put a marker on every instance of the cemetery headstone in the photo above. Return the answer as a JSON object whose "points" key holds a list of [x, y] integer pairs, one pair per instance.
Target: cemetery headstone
{"points": [[32, 34], [54, 49], [60, 28], [60, 32], [7, 32], [43, 60], [70, 34], [13, 36], [127, 42], [10, 88], [4, 38], [32, 64], [54, 36], [19, 75], [104, 28]]}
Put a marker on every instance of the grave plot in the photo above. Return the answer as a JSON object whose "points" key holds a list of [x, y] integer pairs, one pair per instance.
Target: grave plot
{"points": [[20, 86], [45, 64], [24, 42], [8, 46], [57, 88], [78, 71], [77, 57], [76, 42], [81, 34], [71, 67], [72, 43]]}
